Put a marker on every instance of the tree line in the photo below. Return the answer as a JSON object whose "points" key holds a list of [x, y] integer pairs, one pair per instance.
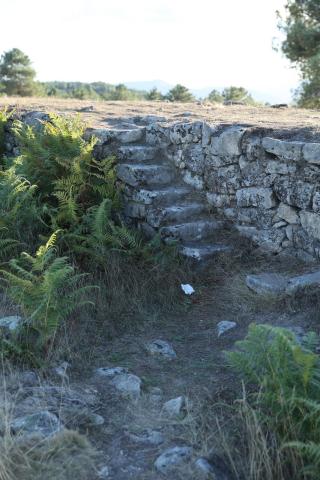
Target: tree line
{"points": [[301, 45], [17, 77]]}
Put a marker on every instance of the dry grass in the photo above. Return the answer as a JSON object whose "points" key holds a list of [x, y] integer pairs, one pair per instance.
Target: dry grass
{"points": [[61, 456], [232, 433], [288, 121], [131, 294]]}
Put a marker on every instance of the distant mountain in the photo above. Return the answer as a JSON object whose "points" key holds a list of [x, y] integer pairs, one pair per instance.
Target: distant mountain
{"points": [[163, 87]]}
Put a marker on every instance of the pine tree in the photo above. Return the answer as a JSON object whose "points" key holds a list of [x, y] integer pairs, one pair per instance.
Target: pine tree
{"points": [[16, 73], [302, 46], [179, 93]]}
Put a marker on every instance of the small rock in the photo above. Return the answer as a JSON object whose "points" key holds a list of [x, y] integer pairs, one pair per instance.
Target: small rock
{"points": [[128, 384], [104, 472], [308, 280], [266, 283], [224, 326], [111, 372], [172, 457], [148, 436], [43, 422], [280, 105], [204, 466], [155, 394], [10, 323], [74, 417], [89, 108], [215, 469], [174, 406], [61, 370], [156, 391], [161, 348], [151, 119], [28, 379]]}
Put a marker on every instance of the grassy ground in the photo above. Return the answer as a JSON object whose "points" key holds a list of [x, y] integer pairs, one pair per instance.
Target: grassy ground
{"points": [[298, 123], [138, 302], [138, 313]]}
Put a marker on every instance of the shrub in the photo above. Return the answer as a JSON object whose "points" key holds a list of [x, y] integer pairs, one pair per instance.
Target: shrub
{"points": [[4, 117], [56, 184], [19, 211], [285, 378], [47, 289]]}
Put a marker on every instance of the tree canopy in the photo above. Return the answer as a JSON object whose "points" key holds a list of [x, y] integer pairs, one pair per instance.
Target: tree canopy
{"points": [[302, 46], [16, 73], [231, 94], [179, 93], [237, 94]]}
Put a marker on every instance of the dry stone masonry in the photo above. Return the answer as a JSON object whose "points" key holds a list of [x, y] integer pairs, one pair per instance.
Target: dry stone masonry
{"points": [[187, 181]]}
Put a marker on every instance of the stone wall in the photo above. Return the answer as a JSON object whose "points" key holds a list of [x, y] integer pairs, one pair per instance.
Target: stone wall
{"points": [[268, 188]]}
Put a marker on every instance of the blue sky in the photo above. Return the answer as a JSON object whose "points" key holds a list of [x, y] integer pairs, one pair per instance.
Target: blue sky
{"points": [[203, 43]]}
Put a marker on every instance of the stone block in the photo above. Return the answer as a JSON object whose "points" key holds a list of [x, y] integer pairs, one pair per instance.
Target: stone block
{"points": [[266, 283], [256, 197], [224, 180], [228, 143], [310, 221], [287, 213], [316, 202], [207, 132], [269, 240], [182, 133], [294, 192], [157, 135], [311, 152], [220, 200], [308, 280], [280, 168], [283, 149], [261, 218], [193, 158], [194, 180]]}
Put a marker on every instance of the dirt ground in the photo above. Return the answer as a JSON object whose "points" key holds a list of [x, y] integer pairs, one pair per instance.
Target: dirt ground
{"points": [[198, 372], [292, 122]]}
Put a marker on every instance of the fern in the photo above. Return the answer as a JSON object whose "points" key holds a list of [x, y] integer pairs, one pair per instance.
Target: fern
{"points": [[47, 289], [19, 212], [4, 117], [310, 451], [287, 379]]}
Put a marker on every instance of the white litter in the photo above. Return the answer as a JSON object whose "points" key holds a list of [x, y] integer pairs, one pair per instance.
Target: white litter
{"points": [[187, 289]]}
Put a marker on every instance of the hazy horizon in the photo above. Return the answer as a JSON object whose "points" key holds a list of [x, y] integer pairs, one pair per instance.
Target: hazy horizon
{"points": [[213, 45]]}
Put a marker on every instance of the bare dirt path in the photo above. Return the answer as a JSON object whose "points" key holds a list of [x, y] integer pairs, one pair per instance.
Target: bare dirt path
{"points": [[199, 371]]}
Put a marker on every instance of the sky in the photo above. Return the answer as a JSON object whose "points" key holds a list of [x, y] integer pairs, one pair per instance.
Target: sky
{"points": [[199, 43]]}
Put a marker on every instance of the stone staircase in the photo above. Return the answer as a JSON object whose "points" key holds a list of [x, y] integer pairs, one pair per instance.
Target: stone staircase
{"points": [[157, 200]]}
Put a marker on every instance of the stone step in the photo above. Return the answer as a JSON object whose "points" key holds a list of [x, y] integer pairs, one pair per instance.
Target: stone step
{"points": [[276, 283], [139, 175], [204, 251], [191, 231], [160, 196], [136, 153], [174, 213]]}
